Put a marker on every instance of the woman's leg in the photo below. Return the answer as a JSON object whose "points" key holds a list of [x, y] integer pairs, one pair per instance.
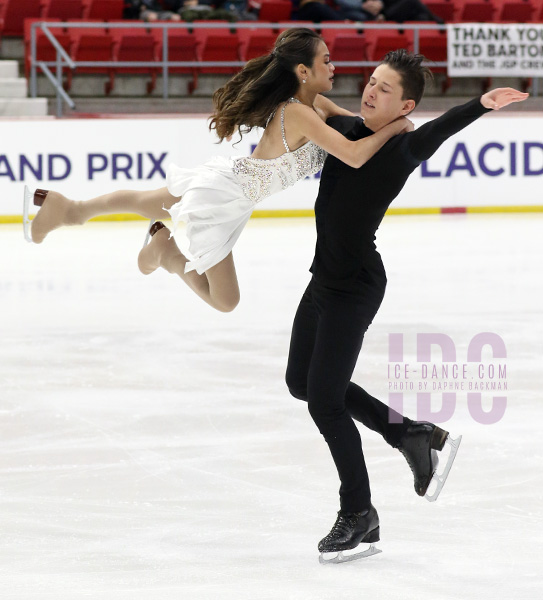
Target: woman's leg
{"points": [[58, 211], [218, 286]]}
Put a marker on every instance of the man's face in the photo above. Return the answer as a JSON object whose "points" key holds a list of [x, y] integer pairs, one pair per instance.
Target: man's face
{"points": [[382, 98]]}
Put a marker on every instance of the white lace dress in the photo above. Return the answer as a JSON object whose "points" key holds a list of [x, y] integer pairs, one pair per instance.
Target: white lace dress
{"points": [[218, 197]]}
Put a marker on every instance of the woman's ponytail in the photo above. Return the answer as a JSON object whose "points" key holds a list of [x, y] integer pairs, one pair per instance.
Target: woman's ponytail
{"points": [[251, 96]]}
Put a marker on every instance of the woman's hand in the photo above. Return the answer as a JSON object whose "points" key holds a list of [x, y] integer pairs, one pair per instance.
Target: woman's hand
{"points": [[407, 125], [401, 125], [501, 97]]}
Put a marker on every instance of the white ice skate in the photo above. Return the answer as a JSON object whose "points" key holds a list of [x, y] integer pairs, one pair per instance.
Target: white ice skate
{"points": [[344, 556], [28, 197], [440, 475]]}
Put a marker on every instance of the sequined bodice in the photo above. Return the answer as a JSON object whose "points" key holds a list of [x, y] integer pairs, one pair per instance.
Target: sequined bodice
{"points": [[260, 177]]}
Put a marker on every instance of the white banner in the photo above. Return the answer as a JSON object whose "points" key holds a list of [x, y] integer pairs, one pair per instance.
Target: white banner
{"points": [[498, 160], [486, 49]]}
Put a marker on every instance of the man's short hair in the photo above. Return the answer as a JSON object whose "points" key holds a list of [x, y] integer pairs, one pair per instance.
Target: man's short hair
{"points": [[413, 75]]}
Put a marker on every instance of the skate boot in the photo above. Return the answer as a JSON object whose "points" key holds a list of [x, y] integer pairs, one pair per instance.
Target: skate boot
{"points": [[420, 445], [350, 530], [151, 254], [56, 211]]}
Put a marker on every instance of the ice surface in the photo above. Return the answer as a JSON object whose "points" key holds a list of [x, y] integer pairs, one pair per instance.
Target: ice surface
{"points": [[149, 448]]}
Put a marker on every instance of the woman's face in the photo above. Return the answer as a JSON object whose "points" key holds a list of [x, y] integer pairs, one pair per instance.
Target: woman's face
{"points": [[321, 74]]}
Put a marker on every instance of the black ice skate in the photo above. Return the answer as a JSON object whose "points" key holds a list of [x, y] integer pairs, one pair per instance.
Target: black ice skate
{"points": [[350, 530], [420, 445]]}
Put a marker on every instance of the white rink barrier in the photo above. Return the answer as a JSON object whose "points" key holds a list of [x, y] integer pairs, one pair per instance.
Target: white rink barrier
{"points": [[495, 162]]}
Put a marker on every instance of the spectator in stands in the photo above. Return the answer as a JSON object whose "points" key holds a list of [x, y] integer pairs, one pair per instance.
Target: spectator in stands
{"points": [[228, 10], [316, 11], [188, 10], [241, 8], [150, 10], [386, 10], [206, 10]]}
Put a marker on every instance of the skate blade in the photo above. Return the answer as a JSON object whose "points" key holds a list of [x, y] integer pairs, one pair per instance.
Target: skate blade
{"points": [[28, 197], [441, 478], [148, 236], [341, 557]]}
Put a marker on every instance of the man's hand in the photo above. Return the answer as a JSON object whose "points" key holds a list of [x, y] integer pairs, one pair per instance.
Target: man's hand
{"points": [[501, 97]]}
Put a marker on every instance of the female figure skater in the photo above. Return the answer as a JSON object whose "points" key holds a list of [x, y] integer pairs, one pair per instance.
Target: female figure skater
{"points": [[279, 92]]}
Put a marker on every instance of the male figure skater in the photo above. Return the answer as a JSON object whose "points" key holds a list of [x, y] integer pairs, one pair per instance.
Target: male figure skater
{"points": [[348, 285]]}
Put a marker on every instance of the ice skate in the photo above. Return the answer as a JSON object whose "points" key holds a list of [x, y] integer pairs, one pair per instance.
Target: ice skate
{"points": [[27, 199], [420, 445], [56, 211], [150, 255], [38, 197], [349, 531], [149, 234]]}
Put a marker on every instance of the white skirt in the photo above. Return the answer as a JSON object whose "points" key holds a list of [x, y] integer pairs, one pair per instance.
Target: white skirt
{"points": [[214, 208]]}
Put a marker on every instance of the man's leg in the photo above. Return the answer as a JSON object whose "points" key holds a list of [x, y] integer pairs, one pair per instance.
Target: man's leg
{"points": [[375, 415], [302, 341], [338, 340], [362, 407]]}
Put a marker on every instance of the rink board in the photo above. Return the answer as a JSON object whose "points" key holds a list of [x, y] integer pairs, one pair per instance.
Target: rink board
{"points": [[496, 162]]}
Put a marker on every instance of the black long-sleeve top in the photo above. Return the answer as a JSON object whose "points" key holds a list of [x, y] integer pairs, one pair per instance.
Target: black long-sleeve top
{"points": [[352, 202]]}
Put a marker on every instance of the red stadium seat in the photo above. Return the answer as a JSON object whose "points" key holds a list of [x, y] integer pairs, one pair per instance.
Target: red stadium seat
{"points": [[514, 11], [474, 11], [346, 45], [255, 42], [381, 41], [137, 45], [62, 9], [45, 51], [443, 9], [275, 10], [14, 12], [105, 10], [217, 44], [92, 44], [181, 48], [433, 45]]}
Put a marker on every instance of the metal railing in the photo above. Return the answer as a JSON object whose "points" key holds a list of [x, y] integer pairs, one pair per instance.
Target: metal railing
{"points": [[64, 60]]}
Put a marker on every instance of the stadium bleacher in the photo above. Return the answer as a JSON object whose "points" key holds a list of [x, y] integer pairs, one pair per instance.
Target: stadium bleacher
{"points": [[226, 44]]}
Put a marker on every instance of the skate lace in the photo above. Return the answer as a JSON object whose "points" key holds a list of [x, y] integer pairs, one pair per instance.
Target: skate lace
{"points": [[343, 524]]}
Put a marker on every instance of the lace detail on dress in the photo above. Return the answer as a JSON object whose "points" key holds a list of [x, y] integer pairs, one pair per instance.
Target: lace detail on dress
{"points": [[260, 178]]}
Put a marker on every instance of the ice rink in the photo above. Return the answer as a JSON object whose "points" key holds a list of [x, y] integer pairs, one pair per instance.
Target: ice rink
{"points": [[149, 449]]}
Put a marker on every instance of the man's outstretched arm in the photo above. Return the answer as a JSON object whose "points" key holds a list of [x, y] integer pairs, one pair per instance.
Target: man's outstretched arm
{"points": [[424, 141]]}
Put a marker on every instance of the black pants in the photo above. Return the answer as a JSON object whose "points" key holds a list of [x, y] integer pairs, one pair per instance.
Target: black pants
{"points": [[327, 337]]}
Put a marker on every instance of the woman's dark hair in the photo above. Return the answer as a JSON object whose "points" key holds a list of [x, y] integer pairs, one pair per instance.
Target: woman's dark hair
{"points": [[250, 97], [413, 75]]}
